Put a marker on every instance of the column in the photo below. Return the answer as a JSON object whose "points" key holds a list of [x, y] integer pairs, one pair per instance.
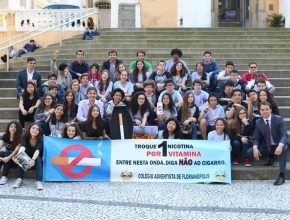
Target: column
{"points": [[261, 14]]}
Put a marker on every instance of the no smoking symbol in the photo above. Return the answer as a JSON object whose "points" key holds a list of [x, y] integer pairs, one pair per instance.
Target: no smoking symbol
{"points": [[67, 169]]}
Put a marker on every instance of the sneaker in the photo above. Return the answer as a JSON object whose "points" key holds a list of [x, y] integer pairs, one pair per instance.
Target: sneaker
{"points": [[17, 183], [235, 162], [247, 163], [39, 185], [3, 180]]}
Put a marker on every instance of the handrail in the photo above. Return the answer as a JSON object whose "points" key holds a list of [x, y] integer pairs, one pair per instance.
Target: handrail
{"points": [[43, 32], [39, 28]]}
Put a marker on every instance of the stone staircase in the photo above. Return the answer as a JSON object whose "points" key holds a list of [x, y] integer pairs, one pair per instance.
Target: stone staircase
{"points": [[270, 48]]}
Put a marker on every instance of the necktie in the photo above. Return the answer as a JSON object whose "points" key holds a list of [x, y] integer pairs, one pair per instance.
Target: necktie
{"points": [[268, 136]]}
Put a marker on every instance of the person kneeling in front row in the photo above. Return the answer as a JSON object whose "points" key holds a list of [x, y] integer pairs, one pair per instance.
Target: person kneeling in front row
{"points": [[271, 130]]}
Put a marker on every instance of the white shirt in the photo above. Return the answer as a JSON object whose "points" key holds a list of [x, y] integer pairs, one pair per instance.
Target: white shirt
{"points": [[84, 106], [29, 75]]}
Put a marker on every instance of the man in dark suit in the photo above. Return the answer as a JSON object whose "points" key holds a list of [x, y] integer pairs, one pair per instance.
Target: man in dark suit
{"points": [[28, 74], [112, 63], [270, 139]]}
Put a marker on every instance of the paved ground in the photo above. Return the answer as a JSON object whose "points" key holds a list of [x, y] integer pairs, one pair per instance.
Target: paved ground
{"points": [[241, 200]]}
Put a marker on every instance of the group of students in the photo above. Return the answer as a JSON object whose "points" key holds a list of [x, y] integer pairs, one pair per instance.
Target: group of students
{"points": [[79, 105]]}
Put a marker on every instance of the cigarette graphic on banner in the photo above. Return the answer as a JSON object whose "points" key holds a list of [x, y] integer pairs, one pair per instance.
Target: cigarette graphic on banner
{"points": [[83, 162]]}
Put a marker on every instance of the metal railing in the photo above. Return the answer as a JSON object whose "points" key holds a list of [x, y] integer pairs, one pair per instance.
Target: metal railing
{"points": [[46, 28]]}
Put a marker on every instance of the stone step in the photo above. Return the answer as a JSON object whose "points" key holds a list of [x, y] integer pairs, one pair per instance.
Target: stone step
{"points": [[282, 91], [257, 172], [191, 65], [134, 37], [166, 44], [165, 53], [241, 62], [9, 102], [9, 113], [178, 40], [156, 50], [284, 110]]}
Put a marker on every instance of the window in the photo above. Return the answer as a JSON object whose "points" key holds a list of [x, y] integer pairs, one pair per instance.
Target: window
{"points": [[103, 5]]}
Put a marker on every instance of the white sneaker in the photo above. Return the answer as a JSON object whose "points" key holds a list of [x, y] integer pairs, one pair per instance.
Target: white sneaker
{"points": [[39, 185], [17, 183], [3, 180]]}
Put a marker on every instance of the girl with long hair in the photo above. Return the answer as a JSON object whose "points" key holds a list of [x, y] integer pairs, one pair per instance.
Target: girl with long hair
{"points": [[221, 131], [75, 87], [70, 107], [104, 86], [43, 113], [29, 101], [241, 131], [171, 130], [179, 76], [120, 68], [32, 145], [265, 95], [57, 121], [93, 127], [11, 141], [140, 109], [72, 131], [168, 110], [200, 74], [188, 115], [139, 76], [90, 29]]}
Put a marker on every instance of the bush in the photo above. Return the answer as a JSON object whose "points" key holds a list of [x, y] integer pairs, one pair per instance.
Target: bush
{"points": [[276, 20]]}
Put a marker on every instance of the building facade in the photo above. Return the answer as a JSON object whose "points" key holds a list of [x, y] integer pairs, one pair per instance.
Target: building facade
{"points": [[190, 13]]}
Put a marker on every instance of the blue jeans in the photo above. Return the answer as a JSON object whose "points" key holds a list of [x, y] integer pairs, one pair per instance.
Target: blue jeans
{"points": [[6, 166], [238, 146], [21, 52], [45, 127], [89, 33], [37, 167]]}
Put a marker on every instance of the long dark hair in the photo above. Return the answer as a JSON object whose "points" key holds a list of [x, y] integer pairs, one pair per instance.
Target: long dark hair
{"points": [[42, 104], [53, 117], [75, 125], [134, 104], [90, 22], [177, 132], [236, 123], [204, 75], [171, 103], [17, 137], [38, 137], [185, 114], [98, 120], [72, 107], [26, 94], [270, 98], [226, 129], [136, 71], [101, 82], [173, 70]]}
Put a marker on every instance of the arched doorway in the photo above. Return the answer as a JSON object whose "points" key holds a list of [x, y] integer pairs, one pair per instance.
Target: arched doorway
{"points": [[104, 13]]}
